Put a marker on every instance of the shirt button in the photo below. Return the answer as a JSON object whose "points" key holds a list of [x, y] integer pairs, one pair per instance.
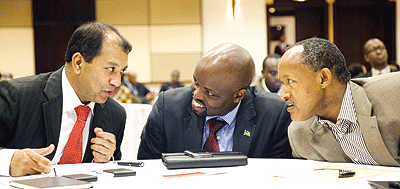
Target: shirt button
{"points": [[218, 137]]}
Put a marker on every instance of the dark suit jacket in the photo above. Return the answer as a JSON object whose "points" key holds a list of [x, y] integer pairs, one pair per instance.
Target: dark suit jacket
{"points": [[172, 126], [31, 110], [142, 91], [167, 86]]}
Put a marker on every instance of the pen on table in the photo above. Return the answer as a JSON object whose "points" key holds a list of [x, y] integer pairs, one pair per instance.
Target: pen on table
{"points": [[133, 164]]}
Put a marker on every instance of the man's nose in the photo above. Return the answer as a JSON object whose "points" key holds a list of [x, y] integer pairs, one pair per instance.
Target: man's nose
{"points": [[116, 80], [285, 93]]}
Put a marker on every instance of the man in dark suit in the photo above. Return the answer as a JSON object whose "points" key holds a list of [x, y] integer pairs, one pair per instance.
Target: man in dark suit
{"points": [[375, 54], [256, 121], [138, 90], [174, 82], [37, 113]]}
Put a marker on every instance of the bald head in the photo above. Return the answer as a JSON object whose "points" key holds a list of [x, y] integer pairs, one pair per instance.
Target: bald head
{"points": [[230, 59], [221, 79]]}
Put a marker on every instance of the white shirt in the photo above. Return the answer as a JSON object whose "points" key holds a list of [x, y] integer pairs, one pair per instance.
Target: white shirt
{"points": [[70, 101], [375, 72]]}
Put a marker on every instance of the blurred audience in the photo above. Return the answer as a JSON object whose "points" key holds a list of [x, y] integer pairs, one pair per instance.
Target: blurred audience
{"points": [[375, 54], [269, 80], [282, 46], [137, 89], [394, 66], [357, 69], [174, 82], [6, 76]]}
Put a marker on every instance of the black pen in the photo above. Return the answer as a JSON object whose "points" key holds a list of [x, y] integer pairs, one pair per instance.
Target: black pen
{"points": [[133, 164]]}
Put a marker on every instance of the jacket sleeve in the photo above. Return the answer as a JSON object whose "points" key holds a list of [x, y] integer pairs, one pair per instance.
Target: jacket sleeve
{"points": [[153, 140]]}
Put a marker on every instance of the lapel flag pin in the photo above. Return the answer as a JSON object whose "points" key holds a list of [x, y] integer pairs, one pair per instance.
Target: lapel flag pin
{"points": [[246, 133]]}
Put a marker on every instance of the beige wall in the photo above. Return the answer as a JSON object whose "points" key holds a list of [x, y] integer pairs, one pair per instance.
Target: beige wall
{"points": [[16, 38], [247, 29], [165, 34]]}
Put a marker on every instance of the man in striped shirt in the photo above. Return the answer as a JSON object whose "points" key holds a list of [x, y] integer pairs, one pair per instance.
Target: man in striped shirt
{"points": [[336, 119]]}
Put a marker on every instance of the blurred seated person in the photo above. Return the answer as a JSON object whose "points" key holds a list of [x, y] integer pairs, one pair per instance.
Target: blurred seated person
{"points": [[375, 54], [122, 94], [137, 89], [394, 66], [269, 80], [174, 82], [282, 46], [6, 76], [357, 69]]}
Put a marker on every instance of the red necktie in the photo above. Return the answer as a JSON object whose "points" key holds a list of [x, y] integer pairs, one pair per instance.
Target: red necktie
{"points": [[211, 144], [73, 150]]}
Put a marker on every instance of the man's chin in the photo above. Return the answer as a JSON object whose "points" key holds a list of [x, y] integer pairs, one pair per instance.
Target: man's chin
{"points": [[200, 113], [298, 118]]}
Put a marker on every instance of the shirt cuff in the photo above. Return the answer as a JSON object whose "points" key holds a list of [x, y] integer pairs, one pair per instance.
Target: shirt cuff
{"points": [[5, 160]]}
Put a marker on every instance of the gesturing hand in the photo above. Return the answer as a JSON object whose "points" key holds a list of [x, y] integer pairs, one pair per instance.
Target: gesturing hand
{"points": [[31, 161], [103, 145]]}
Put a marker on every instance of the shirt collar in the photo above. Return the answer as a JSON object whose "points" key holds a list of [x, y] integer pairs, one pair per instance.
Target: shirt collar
{"points": [[347, 110], [264, 86], [229, 117], [70, 99], [384, 70]]}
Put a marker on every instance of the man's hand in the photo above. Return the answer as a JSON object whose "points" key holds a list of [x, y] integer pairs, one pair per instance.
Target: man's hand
{"points": [[103, 145], [30, 161], [150, 96]]}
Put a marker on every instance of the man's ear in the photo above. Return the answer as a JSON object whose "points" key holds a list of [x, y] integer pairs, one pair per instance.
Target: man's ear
{"points": [[325, 77], [366, 57], [239, 95], [77, 60]]}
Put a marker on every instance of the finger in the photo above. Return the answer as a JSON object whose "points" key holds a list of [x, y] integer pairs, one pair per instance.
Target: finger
{"points": [[27, 162], [103, 145], [99, 157], [103, 149], [97, 130], [107, 136], [45, 151], [102, 153], [40, 163]]}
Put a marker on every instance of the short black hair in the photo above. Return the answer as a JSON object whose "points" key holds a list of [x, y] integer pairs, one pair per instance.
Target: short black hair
{"points": [[321, 53], [270, 56], [88, 39]]}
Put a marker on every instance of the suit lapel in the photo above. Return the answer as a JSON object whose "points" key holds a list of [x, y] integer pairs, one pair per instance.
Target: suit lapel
{"points": [[369, 127], [242, 135], [325, 143], [52, 109], [193, 131]]}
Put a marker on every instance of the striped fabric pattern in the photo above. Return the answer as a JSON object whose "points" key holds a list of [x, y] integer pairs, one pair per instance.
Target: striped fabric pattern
{"points": [[348, 133]]}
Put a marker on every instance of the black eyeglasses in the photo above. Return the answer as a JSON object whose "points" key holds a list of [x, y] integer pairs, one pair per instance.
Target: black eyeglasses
{"points": [[376, 48]]}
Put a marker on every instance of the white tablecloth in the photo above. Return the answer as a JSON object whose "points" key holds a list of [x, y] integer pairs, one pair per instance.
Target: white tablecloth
{"points": [[136, 117], [259, 173]]}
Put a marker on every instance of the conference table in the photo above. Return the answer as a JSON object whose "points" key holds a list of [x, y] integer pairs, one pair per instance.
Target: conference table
{"points": [[259, 173]]}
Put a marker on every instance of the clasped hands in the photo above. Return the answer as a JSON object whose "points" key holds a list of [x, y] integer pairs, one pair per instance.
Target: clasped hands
{"points": [[33, 161]]}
